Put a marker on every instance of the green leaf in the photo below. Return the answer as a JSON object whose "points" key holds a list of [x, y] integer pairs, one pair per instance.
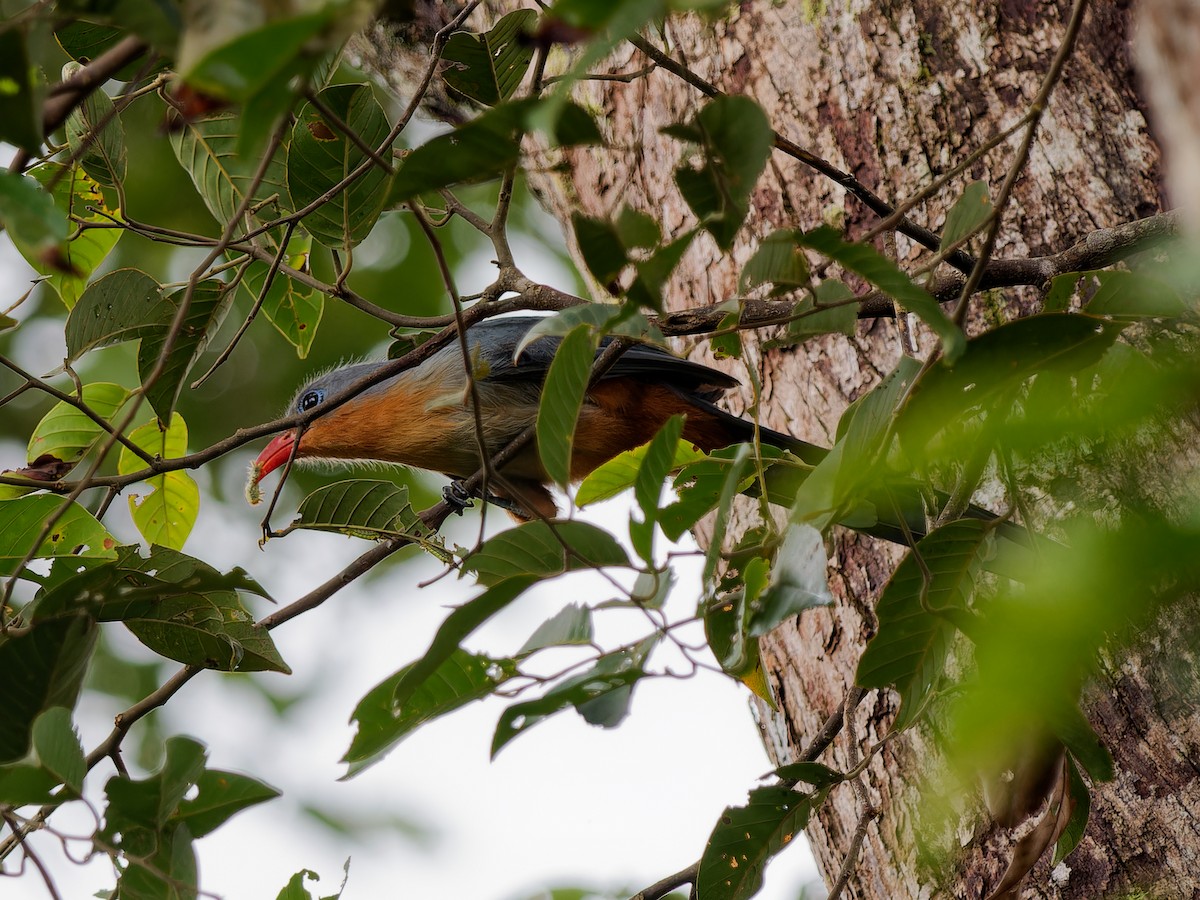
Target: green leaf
{"points": [[40, 669], [169, 874], [605, 318], [321, 156], [1062, 289], [20, 93], [725, 622], [814, 773], [735, 138], [916, 617], [58, 749], [569, 626], [968, 214], [656, 465], [210, 302], [461, 678], [544, 549], [1135, 295], [77, 197], [293, 308], [374, 510], [620, 472], [177, 605], [460, 623], [28, 214], [124, 305], [489, 67], [798, 581], [96, 136], [828, 312], [220, 796], [208, 151], [476, 151], [482, 148], [779, 262], [212, 630], [75, 533], [241, 67], [602, 249], [1080, 799], [67, 433], [652, 273], [165, 515], [997, 361], [151, 802], [562, 396], [601, 695], [889, 278], [637, 229], [22, 784], [746, 837]]}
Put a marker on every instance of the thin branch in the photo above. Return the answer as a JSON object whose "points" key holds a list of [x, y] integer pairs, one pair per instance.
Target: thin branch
{"points": [[1036, 109], [66, 95], [845, 180], [661, 888]]}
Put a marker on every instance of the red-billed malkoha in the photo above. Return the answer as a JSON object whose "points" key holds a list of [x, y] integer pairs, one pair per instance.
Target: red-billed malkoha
{"points": [[422, 417]]}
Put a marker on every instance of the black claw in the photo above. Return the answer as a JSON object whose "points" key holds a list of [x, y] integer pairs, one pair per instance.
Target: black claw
{"points": [[456, 494]]}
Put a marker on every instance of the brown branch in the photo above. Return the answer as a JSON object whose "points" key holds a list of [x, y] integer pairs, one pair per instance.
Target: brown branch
{"points": [[661, 888], [66, 95]]}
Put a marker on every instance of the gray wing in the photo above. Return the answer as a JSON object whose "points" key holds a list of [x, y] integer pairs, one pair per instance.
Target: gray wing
{"points": [[499, 338]]}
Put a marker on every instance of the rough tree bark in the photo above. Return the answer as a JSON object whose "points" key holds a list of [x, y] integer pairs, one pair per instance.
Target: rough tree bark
{"points": [[895, 93]]}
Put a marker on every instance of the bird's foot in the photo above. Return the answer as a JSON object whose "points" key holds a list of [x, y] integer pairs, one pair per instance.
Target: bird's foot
{"points": [[457, 495]]}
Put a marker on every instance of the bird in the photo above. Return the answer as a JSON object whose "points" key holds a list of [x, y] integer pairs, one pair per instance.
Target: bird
{"points": [[423, 417]]}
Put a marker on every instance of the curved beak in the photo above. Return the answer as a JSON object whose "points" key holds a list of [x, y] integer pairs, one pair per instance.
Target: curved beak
{"points": [[274, 455]]}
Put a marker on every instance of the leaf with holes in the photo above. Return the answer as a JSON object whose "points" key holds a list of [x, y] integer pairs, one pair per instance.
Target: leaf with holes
{"points": [[124, 305], [489, 67], [746, 837], [67, 433], [76, 532], [219, 796], [322, 155], [165, 515], [78, 198]]}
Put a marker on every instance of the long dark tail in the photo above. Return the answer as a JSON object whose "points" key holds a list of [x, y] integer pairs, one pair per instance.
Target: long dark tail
{"points": [[897, 500]]}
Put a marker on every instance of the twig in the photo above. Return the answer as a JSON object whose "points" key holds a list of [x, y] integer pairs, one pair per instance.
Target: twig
{"points": [[661, 888], [1036, 109], [960, 260]]}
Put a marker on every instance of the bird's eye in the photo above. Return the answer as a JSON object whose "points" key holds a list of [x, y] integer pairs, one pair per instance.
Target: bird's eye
{"points": [[310, 400]]}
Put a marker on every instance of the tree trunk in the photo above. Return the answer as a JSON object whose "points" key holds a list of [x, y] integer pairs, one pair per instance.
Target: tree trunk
{"points": [[896, 93]]}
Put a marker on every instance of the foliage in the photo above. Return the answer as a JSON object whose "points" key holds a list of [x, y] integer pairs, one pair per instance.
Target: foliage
{"points": [[990, 623]]}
